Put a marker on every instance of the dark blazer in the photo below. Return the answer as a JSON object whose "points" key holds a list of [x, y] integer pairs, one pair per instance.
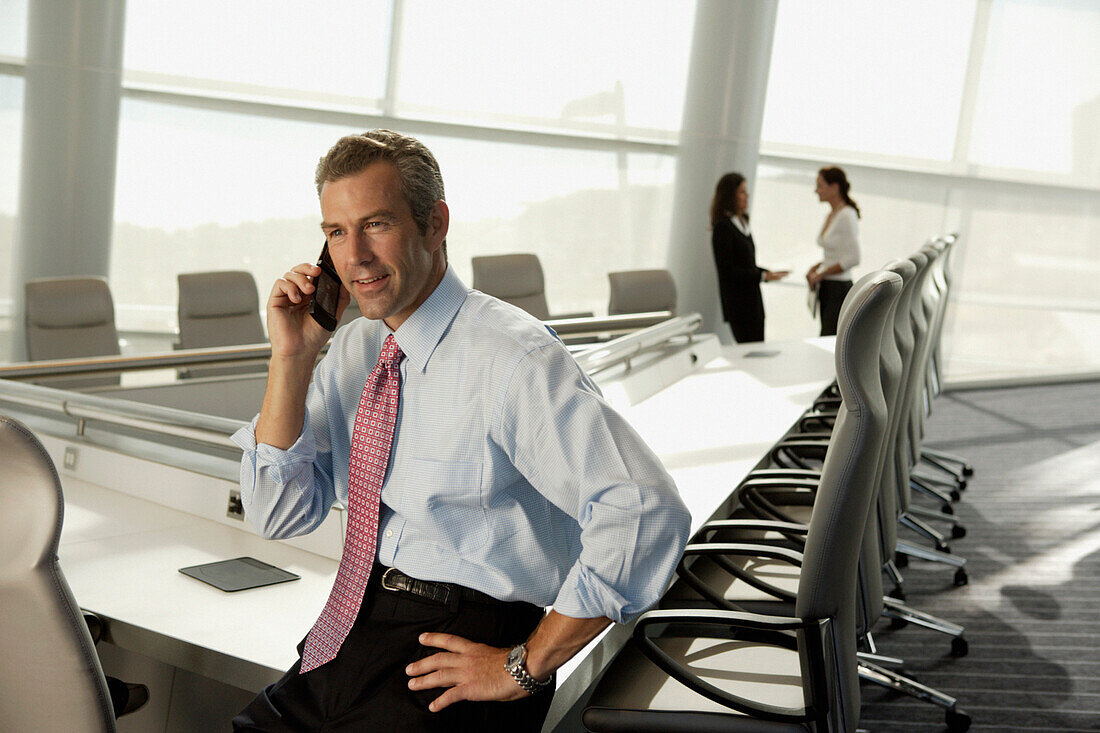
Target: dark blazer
{"points": [[738, 281]]}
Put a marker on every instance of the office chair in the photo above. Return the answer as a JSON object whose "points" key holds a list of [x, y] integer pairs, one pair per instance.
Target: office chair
{"points": [[516, 279], [69, 318], [218, 309], [797, 455], [705, 669], [51, 679], [641, 291], [955, 466], [789, 502]]}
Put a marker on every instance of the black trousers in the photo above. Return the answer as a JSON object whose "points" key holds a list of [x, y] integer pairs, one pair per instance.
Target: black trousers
{"points": [[831, 293], [365, 688]]}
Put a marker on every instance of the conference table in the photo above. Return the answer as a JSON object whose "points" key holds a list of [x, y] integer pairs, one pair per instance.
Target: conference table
{"points": [[131, 524]]}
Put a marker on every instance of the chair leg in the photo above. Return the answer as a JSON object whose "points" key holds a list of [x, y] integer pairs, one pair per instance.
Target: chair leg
{"points": [[957, 529], [925, 530], [956, 719], [894, 609], [923, 553], [965, 469], [872, 655], [944, 497]]}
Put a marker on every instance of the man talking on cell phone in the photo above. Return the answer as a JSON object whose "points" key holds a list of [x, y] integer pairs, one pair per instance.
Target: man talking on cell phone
{"points": [[484, 475]]}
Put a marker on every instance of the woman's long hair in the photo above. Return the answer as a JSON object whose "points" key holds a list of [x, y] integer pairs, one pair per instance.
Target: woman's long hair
{"points": [[836, 175], [725, 197]]}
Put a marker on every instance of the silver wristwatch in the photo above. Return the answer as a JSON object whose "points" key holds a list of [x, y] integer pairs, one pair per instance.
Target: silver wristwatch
{"points": [[516, 664]]}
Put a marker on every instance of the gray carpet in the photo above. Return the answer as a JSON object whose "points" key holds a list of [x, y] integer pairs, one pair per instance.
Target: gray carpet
{"points": [[1032, 608]]}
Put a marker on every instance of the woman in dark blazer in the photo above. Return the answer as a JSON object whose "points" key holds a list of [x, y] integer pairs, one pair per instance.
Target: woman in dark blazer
{"points": [[735, 258]]}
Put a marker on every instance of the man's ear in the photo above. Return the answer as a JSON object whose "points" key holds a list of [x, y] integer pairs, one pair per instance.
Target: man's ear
{"points": [[439, 221]]}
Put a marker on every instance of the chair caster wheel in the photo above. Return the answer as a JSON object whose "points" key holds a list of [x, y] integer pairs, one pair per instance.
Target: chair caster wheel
{"points": [[968, 470], [897, 593], [961, 484], [955, 495], [947, 509], [901, 559], [958, 531], [957, 721], [943, 547], [960, 647], [961, 578], [898, 623]]}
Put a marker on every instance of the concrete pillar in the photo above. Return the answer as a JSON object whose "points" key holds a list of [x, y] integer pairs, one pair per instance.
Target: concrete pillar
{"points": [[70, 140], [723, 113]]}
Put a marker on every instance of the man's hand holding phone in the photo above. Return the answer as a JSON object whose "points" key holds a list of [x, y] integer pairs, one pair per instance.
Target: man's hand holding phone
{"points": [[304, 308]]}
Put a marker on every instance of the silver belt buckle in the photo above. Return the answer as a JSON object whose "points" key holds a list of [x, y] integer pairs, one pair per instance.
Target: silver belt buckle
{"points": [[387, 583]]}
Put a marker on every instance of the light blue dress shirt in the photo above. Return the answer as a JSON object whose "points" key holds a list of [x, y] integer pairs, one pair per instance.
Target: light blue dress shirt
{"points": [[509, 473]]}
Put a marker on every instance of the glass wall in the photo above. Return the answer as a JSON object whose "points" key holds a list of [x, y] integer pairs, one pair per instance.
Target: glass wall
{"points": [[553, 123], [556, 125], [977, 117]]}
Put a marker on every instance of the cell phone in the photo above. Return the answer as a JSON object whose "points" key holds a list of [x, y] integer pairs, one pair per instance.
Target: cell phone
{"points": [[326, 298]]}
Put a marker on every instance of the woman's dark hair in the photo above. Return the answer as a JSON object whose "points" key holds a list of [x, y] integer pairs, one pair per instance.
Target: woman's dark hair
{"points": [[725, 196], [836, 175]]}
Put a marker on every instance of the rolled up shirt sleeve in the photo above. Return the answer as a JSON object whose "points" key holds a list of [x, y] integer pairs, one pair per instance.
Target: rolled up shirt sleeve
{"points": [[289, 492], [584, 457]]}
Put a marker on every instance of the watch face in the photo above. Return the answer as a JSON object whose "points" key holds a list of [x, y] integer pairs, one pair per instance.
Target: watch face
{"points": [[516, 655]]}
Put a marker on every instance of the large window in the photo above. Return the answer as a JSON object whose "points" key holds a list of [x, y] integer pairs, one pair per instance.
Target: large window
{"points": [[869, 77], [334, 50], [980, 117], [1038, 105], [604, 66], [13, 28], [213, 180]]}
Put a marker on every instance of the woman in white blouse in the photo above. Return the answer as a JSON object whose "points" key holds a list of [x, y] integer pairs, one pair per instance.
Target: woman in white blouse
{"points": [[839, 238]]}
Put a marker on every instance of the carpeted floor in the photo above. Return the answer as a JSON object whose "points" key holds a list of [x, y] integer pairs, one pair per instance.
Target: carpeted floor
{"points": [[1032, 607]]}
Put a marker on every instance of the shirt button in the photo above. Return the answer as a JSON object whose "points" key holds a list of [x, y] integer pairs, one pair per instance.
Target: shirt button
{"points": [[389, 533]]}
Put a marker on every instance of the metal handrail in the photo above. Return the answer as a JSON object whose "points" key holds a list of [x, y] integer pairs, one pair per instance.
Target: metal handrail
{"points": [[212, 430], [208, 429], [117, 364], [627, 347], [566, 327]]}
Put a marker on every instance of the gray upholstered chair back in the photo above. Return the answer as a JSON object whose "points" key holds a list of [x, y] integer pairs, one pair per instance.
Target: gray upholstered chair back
{"points": [[50, 679], [514, 278], [880, 531], [827, 584], [641, 291], [69, 318], [891, 370], [906, 342], [915, 384], [219, 309]]}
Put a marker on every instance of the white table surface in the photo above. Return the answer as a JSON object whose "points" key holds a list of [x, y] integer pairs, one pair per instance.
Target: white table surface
{"points": [[121, 554]]}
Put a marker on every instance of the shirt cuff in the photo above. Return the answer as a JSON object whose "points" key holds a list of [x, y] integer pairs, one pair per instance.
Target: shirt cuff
{"points": [[585, 595], [303, 448]]}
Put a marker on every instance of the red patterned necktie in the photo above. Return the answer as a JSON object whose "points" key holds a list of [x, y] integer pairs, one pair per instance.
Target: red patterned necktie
{"points": [[370, 452]]}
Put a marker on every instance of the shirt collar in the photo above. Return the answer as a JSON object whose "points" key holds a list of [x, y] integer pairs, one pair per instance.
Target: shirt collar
{"points": [[423, 330]]}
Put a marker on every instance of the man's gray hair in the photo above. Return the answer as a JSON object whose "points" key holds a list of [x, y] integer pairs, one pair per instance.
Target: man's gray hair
{"points": [[421, 182]]}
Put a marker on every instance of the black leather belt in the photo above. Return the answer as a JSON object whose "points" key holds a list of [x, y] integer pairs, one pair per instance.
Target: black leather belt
{"points": [[395, 580]]}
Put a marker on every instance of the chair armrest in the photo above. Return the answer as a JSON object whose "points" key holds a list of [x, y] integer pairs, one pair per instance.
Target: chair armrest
{"points": [[688, 623], [819, 420], [787, 452], [753, 524], [719, 552], [785, 473], [753, 497]]}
